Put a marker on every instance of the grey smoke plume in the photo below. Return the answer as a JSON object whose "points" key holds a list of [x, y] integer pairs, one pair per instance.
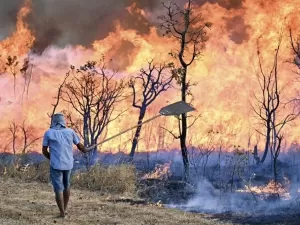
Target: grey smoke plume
{"points": [[60, 23], [8, 12], [79, 22], [228, 4]]}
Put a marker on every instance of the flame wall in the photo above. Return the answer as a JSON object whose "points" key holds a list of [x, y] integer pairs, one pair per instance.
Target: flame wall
{"points": [[55, 34]]}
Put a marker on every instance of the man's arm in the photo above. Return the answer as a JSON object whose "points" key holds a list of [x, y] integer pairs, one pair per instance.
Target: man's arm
{"points": [[82, 148], [46, 152]]}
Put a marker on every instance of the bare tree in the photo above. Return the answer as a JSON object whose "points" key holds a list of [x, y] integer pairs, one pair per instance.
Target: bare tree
{"points": [[12, 63], [236, 165], [13, 128], [269, 108], [26, 72], [28, 136], [188, 28], [295, 43], [152, 82], [93, 96], [199, 155]]}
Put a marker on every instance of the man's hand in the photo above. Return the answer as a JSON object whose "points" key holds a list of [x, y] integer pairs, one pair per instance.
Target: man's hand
{"points": [[82, 148], [45, 152]]}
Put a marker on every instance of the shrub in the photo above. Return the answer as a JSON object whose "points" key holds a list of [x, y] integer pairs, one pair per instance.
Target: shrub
{"points": [[113, 179], [35, 172], [119, 179]]}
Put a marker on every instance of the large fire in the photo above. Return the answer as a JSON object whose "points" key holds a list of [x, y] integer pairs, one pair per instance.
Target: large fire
{"points": [[225, 75], [20, 42]]}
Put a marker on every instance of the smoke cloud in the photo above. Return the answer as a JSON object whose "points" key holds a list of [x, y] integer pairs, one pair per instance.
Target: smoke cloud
{"points": [[228, 4], [75, 22], [8, 12]]}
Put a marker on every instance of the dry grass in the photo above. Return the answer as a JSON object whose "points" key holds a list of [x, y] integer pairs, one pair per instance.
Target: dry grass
{"points": [[107, 180], [38, 172], [33, 203], [112, 179]]}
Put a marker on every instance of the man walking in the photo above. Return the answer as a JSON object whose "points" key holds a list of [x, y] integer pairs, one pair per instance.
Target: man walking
{"points": [[60, 140]]}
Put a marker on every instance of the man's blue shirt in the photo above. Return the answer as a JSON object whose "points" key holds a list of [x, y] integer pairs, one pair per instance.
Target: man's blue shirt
{"points": [[60, 142]]}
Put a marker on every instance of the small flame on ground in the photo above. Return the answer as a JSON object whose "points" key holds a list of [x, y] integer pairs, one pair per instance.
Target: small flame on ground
{"points": [[161, 172], [271, 189]]}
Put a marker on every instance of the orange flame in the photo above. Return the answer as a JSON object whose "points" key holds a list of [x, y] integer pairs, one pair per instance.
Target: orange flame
{"points": [[225, 75], [271, 189], [160, 172], [21, 41]]}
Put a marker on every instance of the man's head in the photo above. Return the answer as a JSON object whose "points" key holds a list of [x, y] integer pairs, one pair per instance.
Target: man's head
{"points": [[58, 121]]}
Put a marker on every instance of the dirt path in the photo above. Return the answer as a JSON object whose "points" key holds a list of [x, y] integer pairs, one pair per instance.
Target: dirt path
{"points": [[33, 203]]}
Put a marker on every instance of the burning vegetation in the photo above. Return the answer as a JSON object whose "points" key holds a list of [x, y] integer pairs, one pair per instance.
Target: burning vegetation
{"points": [[110, 67]]}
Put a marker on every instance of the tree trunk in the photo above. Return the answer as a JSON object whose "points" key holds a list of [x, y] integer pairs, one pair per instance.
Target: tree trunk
{"points": [[86, 131], [275, 169], [137, 131], [14, 85], [29, 81], [184, 129], [91, 153], [86, 142], [267, 146]]}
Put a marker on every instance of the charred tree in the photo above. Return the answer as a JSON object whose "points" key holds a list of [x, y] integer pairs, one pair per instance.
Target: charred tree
{"points": [[12, 63], [295, 43], [269, 108], [28, 136], [188, 28], [93, 96], [26, 72], [152, 83], [13, 128]]}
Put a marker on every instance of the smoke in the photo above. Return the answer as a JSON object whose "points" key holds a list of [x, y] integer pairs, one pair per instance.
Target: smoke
{"points": [[208, 199], [211, 200], [237, 29], [251, 192], [227, 4], [8, 16], [75, 22]]}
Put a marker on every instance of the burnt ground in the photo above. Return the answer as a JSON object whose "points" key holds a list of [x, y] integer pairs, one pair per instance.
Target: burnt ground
{"points": [[268, 211], [257, 219], [286, 216]]}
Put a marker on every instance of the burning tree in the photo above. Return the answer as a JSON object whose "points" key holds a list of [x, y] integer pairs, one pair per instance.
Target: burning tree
{"points": [[295, 48], [12, 63], [153, 82], [269, 108], [188, 28], [12, 66], [26, 71], [93, 96]]}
